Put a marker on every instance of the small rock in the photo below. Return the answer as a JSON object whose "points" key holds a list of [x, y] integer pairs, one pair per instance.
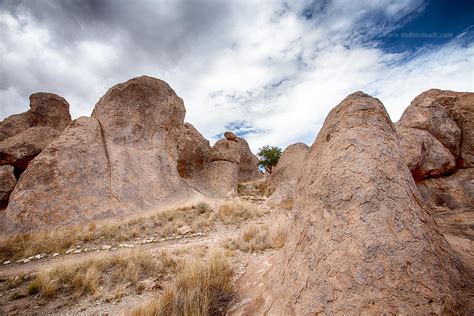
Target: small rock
{"points": [[183, 230], [77, 251], [7, 262], [69, 251], [106, 247], [55, 254], [38, 257], [113, 249]]}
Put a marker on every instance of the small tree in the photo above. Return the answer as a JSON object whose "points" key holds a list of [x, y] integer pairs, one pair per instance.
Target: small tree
{"points": [[268, 157]]}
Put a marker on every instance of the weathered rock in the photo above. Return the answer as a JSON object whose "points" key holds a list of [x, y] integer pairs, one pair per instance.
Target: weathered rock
{"points": [[284, 178], [455, 191], [7, 183], [361, 241], [289, 166], [230, 136], [448, 116], [140, 121], [46, 109], [248, 166], [20, 149], [220, 178], [122, 160], [193, 152], [424, 154], [68, 182]]}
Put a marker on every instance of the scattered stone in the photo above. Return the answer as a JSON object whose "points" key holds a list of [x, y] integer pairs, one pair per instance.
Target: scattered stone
{"points": [[69, 251], [7, 262], [77, 251], [55, 254], [183, 230], [106, 247]]}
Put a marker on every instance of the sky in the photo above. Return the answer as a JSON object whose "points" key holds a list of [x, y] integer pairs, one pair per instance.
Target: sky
{"points": [[270, 70]]}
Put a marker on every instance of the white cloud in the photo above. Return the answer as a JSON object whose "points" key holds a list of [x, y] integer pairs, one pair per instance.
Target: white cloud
{"points": [[262, 62]]}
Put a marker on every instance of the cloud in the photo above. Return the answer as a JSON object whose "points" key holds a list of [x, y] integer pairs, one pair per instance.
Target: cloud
{"points": [[270, 70]]}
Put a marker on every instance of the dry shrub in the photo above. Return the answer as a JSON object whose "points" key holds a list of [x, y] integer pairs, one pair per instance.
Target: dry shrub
{"points": [[235, 211], [201, 287], [261, 237], [163, 223], [111, 272]]}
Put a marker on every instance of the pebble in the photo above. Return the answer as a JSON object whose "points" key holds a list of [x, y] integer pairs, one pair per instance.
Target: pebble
{"points": [[106, 247], [113, 249], [55, 254], [7, 262], [77, 251], [69, 251]]}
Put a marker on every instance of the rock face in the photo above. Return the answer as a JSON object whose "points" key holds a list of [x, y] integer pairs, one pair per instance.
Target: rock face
{"points": [[122, 160], [361, 241], [220, 177], [248, 168], [7, 183], [46, 109], [20, 149], [425, 155], [448, 117], [193, 152], [284, 177]]}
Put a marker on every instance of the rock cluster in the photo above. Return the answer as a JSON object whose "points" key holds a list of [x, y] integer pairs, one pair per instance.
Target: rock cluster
{"points": [[133, 154], [23, 136], [361, 240]]}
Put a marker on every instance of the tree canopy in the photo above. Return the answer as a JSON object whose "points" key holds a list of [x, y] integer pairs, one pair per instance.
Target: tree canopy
{"points": [[268, 157]]}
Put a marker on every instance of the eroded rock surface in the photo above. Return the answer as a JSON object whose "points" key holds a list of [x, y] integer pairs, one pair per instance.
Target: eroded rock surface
{"points": [[20, 149], [361, 240], [284, 177], [122, 160], [248, 166], [193, 152], [7, 183], [46, 109]]}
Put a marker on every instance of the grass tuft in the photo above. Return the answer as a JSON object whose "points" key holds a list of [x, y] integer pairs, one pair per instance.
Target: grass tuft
{"points": [[235, 211]]}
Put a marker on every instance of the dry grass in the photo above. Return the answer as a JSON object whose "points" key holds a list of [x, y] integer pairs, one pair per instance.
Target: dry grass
{"points": [[111, 273], [261, 237], [201, 287], [163, 223], [235, 211]]}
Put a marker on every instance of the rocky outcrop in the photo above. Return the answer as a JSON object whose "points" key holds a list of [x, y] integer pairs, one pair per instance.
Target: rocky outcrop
{"points": [[424, 154], [193, 152], [20, 149], [220, 177], [361, 241], [7, 183], [448, 118], [122, 160], [284, 178], [46, 109], [248, 167]]}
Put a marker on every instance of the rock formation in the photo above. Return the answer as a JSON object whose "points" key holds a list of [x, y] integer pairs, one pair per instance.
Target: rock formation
{"points": [[220, 177], [436, 135], [46, 109], [7, 183], [20, 149], [361, 241], [193, 152], [248, 168], [122, 160], [284, 178]]}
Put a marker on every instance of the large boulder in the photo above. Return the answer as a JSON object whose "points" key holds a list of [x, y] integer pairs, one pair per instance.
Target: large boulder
{"points": [[248, 167], [20, 149], [284, 178], [361, 241], [122, 160], [67, 183], [289, 166], [46, 109], [220, 178], [424, 154], [449, 117], [7, 183], [193, 152]]}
